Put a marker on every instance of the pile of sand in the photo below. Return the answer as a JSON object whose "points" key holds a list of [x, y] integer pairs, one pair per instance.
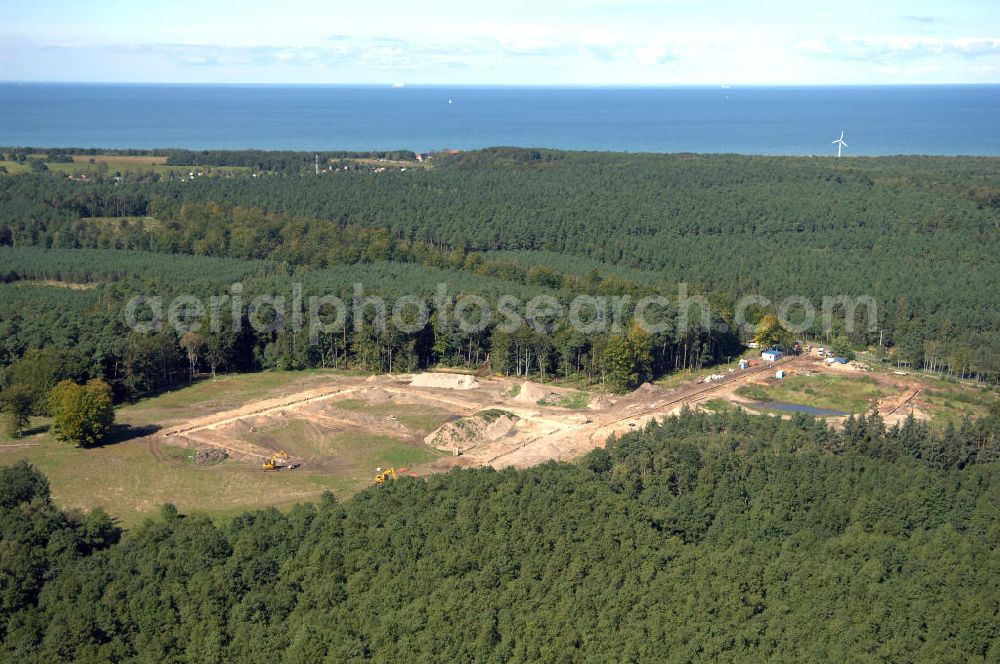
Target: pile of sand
{"points": [[373, 394], [465, 433], [601, 402], [533, 393], [445, 381], [648, 391], [846, 368], [646, 396]]}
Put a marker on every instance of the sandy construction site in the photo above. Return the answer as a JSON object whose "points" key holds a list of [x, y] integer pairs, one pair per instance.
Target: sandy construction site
{"points": [[456, 419]]}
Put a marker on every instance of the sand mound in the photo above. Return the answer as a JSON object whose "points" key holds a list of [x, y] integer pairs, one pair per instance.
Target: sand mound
{"points": [[373, 394], [645, 396], [648, 391], [445, 381], [845, 368], [533, 393], [601, 402], [467, 432]]}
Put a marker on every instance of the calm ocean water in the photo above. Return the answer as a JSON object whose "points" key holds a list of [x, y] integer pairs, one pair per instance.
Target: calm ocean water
{"points": [[754, 120]]}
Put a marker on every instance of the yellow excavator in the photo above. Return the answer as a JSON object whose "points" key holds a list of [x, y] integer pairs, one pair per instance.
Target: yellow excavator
{"points": [[382, 475], [278, 460]]}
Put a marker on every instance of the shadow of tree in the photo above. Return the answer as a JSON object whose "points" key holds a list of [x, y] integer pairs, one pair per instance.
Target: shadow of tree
{"points": [[34, 431], [123, 432]]}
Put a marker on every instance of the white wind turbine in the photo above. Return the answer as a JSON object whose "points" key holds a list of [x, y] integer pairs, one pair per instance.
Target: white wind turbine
{"points": [[840, 143]]}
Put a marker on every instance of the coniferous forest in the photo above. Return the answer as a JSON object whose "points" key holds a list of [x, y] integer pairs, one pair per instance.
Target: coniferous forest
{"points": [[918, 234], [707, 537]]}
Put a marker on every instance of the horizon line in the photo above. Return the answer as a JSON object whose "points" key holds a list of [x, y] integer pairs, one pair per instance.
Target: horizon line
{"points": [[398, 85]]}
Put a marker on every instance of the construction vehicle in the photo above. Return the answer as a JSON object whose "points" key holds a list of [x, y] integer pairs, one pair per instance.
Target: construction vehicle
{"points": [[278, 460], [382, 475]]}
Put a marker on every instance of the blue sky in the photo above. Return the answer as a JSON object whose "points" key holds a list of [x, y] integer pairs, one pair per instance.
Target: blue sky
{"points": [[584, 42]]}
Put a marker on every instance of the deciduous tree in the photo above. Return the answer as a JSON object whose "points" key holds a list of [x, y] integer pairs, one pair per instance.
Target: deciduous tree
{"points": [[16, 403], [82, 414]]}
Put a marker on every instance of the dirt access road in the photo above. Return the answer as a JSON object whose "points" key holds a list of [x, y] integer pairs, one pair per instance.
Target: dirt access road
{"points": [[541, 433], [560, 434]]}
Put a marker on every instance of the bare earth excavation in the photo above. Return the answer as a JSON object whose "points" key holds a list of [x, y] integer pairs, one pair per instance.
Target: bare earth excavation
{"points": [[472, 421]]}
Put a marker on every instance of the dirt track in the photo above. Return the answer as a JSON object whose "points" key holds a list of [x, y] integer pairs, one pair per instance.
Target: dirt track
{"points": [[555, 433], [261, 408], [541, 433]]}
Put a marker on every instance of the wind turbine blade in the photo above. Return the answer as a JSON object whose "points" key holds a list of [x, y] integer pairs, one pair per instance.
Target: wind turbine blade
{"points": [[835, 142], [843, 143]]}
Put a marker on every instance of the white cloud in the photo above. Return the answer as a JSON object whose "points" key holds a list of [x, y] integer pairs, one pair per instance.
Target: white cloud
{"points": [[481, 51], [908, 72], [654, 54], [898, 46], [394, 53], [977, 45], [813, 46]]}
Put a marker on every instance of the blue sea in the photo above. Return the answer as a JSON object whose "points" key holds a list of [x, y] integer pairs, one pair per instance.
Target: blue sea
{"points": [[939, 120]]}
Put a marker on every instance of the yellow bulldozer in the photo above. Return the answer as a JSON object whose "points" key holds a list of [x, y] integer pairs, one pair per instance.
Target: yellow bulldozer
{"points": [[278, 460], [382, 475]]}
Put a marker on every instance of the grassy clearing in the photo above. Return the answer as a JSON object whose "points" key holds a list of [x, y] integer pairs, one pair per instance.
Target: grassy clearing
{"points": [[417, 418], [575, 400], [373, 450], [678, 378], [359, 451], [126, 480], [961, 398], [120, 164], [182, 454], [134, 160], [117, 165], [386, 163], [948, 401], [186, 455], [131, 485], [853, 394], [14, 167], [208, 396]]}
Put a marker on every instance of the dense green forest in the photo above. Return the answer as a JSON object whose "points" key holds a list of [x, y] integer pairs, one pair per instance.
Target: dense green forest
{"points": [[54, 333], [918, 234], [708, 537], [705, 537]]}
